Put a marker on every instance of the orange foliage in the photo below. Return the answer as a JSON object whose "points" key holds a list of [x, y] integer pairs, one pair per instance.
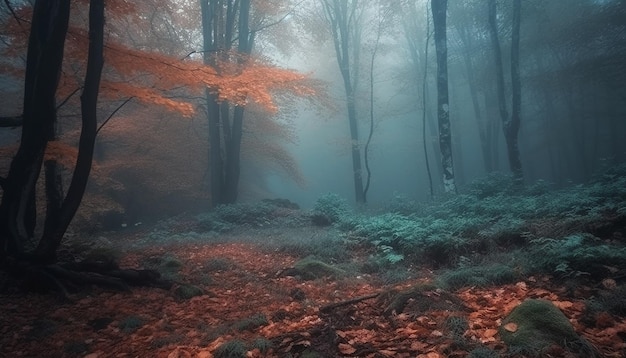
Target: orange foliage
{"points": [[61, 152]]}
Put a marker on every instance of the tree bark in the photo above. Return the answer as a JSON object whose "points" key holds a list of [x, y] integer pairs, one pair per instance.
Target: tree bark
{"points": [[43, 68], [53, 234], [439, 10]]}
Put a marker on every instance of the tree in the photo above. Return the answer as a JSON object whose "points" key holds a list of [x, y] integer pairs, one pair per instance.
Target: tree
{"points": [[510, 125], [226, 23], [439, 10], [44, 60], [343, 17], [43, 84]]}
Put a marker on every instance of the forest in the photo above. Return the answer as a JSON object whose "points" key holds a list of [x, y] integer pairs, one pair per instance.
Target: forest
{"points": [[313, 178]]}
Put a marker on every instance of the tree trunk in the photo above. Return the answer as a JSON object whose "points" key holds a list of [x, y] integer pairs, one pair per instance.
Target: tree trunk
{"points": [[512, 127], [225, 120], [43, 68], [339, 14], [53, 234], [439, 10]]}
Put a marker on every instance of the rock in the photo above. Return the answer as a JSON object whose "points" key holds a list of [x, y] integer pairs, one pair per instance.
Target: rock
{"points": [[539, 324], [311, 269]]}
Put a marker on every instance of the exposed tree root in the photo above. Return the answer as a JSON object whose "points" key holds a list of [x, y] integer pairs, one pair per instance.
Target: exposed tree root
{"points": [[66, 278]]}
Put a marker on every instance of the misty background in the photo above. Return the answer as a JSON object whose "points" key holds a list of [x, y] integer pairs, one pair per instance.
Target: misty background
{"points": [[573, 99], [151, 162]]}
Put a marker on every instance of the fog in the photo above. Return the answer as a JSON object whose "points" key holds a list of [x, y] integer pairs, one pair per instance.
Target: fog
{"points": [[572, 101]]}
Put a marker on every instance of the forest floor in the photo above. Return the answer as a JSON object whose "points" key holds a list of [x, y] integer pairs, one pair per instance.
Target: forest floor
{"points": [[249, 307]]}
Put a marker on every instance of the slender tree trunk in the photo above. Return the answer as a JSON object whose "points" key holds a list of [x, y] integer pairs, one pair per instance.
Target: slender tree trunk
{"points": [[439, 10], [424, 102], [513, 126], [233, 150], [340, 14]]}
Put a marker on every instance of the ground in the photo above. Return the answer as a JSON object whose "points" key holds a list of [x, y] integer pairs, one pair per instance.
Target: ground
{"points": [[251, 306]]}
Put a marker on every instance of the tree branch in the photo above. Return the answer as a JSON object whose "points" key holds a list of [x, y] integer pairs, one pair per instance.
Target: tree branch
{"points": [[113, 113]]}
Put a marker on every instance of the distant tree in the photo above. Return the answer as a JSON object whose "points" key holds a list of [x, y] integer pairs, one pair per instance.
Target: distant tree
{"points": [[511, 124], [228, 42], [344, 19], [439, 10]]}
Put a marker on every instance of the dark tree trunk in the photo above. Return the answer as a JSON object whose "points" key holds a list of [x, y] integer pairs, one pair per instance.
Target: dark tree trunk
{"points": [[219, 28], [43, 68], [439, 10], [424, 102], [53, 234]]}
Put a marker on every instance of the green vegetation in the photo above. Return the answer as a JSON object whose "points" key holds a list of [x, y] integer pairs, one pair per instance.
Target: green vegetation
{"points": [[563, 232], [311, 269], [130, 324], [495, 231], [539, 324], [231, 349], [251, 323]]}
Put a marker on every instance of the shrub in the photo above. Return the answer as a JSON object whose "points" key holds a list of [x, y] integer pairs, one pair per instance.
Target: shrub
{"points": [[574, 255], [480, 276], [330, 207]]}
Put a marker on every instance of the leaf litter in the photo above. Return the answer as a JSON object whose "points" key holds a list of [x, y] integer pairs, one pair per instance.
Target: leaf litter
{"points": [[249, 301]]}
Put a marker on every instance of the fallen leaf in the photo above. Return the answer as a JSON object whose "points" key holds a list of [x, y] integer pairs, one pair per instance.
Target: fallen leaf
{"points": [[346, 348], [510, 327], [490, 333]]}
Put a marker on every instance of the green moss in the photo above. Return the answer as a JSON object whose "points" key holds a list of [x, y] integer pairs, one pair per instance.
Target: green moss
{"points": [[480, 276], [130, 324], [251, 323], [186, 291], [311, 269], [231, 349], [262, 344], [539, 325]]}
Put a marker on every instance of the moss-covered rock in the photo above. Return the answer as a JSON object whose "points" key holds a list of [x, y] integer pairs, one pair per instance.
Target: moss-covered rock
{"points": [[311, 269], [535, 325], [186, 292]]}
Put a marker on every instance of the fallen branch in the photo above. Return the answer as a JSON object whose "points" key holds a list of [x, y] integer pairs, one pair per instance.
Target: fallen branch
{"points": [[332, 306]]}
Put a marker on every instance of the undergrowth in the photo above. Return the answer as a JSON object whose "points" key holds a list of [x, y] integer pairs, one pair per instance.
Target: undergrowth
{"points": [[564, 232]]}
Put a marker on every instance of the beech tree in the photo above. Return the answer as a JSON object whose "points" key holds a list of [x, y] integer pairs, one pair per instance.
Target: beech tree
{"points": [[228, 42]]}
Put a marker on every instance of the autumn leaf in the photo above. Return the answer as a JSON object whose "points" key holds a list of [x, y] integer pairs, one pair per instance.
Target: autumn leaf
{"points": [[346, 348], [510, 327]]}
